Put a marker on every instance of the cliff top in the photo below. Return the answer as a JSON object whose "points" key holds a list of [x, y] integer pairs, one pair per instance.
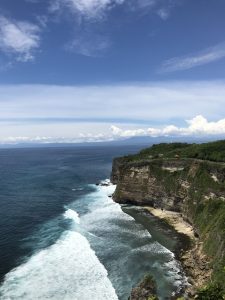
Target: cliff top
{"points": [[213, 151]]}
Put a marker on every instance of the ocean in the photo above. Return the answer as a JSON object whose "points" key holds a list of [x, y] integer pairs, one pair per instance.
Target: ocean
{"points": [[63, 237]]}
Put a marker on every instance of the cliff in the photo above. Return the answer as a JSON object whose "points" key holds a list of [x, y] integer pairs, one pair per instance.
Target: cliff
{"points": [[172, 176]]}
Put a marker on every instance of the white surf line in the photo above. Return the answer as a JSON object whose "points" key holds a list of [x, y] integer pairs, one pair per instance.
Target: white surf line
{"points": [[72, 215], [67, 270]]}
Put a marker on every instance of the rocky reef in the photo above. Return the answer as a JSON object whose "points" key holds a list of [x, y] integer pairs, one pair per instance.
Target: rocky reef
{"points": [[146, 290], [182, 178]]}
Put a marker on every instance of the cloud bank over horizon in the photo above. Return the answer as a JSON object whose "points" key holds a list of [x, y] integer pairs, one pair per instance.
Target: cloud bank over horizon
{"points": [[48, 113], [197, 127], [129, 103]]}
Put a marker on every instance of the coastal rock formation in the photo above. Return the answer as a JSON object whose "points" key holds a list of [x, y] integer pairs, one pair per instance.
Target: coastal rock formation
{"points": [[146, 290], [143, 183], [193, 187], [197, 267]]}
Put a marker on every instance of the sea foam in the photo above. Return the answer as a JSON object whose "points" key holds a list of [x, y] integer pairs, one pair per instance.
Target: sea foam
{"points": [[71, 270], [67, 270], [73, 215]]}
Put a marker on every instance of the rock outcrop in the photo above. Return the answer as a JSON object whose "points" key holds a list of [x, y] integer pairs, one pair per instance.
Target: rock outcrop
{"points": [[193, 187], [146, 290], [144, 183], [178, 185]]}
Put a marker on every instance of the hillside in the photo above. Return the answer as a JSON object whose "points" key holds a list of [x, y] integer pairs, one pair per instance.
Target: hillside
{"points": [[187, 178], [213, 151]]}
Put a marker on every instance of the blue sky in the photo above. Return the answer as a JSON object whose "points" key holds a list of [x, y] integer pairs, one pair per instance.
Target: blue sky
{"points": [[84, 70]]}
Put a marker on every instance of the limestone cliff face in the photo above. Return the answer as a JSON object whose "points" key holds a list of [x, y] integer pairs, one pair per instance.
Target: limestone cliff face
{"points": [[195, 188], [143, 183], [168, 183]]}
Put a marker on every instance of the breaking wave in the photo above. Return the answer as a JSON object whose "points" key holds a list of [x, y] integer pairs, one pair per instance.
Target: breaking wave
{"points": [[100, 239], [72, 215], [69, 269]]}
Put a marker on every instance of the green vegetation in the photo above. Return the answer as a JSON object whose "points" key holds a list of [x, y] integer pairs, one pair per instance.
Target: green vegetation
{"points": [[205, 207], [164, 149], [210, 292], [149, 284], [206, 213], [210, 220], [214, 151], [204, 172]]}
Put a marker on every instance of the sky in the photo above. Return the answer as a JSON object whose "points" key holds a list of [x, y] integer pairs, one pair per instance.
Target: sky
{"points": [[96, 70]]}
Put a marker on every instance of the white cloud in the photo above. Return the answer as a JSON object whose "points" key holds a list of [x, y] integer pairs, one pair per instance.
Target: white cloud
{"points": [[24, 139], [97, 9], [143, 5], [89, 9], [92, 8], [92, 132], [198, 126], [86, 15], [162, 8], [150, 102], [90, 45], [87, 138], [19, 38], [116, 131], [164, 13], [14, 132], [206, 56], [87, 112]]}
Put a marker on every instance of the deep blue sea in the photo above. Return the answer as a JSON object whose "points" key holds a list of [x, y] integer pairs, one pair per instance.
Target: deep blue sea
{"points": [[62, 237]]}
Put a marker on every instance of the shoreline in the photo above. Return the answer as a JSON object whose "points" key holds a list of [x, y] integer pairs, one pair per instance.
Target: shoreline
{"points": [[189, 252], [174, 219]]}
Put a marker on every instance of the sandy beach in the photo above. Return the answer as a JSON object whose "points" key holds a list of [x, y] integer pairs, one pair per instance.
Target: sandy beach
{"points": [[174, 219], [195, 263]]}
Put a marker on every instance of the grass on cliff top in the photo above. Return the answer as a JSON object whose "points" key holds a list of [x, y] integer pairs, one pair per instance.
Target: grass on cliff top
{"points": [[213, 151]]}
